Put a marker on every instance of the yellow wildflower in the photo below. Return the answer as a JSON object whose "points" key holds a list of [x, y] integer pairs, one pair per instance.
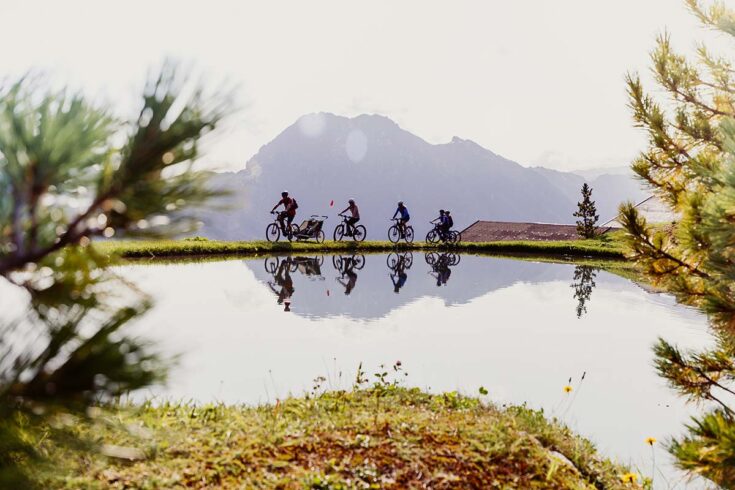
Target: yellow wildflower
{"points": [[650, 441], [567, 389], [629, 478]]}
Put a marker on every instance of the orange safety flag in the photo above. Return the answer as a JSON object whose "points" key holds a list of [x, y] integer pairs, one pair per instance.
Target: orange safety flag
{"points": [[331, 203]]}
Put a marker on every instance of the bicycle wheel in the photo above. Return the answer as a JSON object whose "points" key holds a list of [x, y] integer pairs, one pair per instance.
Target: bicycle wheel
{"points": [[431, 258], [391, 260], [337, 262], [272, 232], [319, 236], [358, 261], [409, 234], [394, 234], [339, 233], [408, 259], [454, 259], [455, 236], [271, 264], [358, 233], [432, 237]]}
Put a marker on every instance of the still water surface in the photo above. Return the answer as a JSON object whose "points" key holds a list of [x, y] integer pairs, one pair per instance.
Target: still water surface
{"points": [[259, 329]]}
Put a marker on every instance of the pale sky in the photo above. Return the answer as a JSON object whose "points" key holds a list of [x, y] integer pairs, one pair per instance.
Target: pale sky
{"points": [[537, 81]]}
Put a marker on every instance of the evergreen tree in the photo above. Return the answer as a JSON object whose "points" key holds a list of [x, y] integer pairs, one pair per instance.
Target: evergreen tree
{"points": [[690, 164], [587, 212], [70, 171]]}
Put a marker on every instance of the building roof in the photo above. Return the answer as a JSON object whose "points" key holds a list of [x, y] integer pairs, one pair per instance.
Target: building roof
{"points": [[495, 231]]}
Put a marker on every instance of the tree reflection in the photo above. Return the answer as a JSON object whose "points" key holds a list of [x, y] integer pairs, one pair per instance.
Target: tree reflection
{"points": [[584, 283]]}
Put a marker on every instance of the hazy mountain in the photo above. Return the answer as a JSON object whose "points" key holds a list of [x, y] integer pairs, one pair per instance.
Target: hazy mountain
{"points": [[324, 157]]}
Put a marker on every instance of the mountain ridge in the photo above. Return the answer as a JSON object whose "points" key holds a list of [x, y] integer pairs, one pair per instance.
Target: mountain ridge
{"points": [[323, 157]]}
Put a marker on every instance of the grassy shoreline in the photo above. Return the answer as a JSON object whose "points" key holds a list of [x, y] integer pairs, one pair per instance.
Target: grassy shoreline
{"points": [[609, 248], [385, 436]]}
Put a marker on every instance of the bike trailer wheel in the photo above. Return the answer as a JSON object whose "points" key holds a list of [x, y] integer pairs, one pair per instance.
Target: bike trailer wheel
{"points": [[319, 236]]}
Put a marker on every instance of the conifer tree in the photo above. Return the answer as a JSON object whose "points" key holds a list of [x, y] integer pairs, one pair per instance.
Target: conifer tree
{"points": [[690, 164], [587, 212]]}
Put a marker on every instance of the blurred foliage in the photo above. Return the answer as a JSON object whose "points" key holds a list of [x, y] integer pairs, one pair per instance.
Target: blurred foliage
{"points": [[690, 164], [70, 171]]}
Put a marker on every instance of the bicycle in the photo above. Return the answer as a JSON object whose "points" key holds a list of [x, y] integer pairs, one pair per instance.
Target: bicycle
{"points": [[404, 259], [436, 234], [400, 231], [357, 261], [273, 231], [340, 231]]}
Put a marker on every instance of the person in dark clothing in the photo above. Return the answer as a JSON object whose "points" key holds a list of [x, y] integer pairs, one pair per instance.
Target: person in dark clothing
{"points": [[404, 217], [289, 210], [354, 216]]}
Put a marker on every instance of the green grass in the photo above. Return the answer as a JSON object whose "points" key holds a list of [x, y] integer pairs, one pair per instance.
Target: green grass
{"points": [[607, 247], [381, 437]]}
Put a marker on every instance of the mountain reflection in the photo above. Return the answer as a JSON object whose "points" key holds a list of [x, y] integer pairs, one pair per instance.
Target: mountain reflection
{"points": [[354, 285]]}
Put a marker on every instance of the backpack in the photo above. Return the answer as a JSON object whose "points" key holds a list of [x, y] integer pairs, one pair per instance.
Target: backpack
{"points": [[294, 204], [450, 222]]}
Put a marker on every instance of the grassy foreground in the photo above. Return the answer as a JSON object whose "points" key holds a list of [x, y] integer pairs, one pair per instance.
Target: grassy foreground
{"points": [[382, 437], [607, 247]]}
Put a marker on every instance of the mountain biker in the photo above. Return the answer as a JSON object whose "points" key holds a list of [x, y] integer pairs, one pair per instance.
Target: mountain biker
{"points": [[289, 210], [355, 212], [450, 221], [405, 216], [441, 223]]}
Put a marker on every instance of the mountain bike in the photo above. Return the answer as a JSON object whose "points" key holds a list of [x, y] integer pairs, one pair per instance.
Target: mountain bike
{"points": [[400, 231], [273, 231], [450, 259], [356, 261], [341, 230], [404, 259], [436, 235]]}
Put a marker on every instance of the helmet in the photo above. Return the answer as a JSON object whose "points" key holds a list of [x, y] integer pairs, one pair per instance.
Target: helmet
{"points": [[441, 211], [284, 193], [446, 212], [351, 201], [400, 203]]}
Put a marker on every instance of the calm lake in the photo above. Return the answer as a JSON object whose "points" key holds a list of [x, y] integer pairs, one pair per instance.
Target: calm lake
{"points": [[259, 329]]}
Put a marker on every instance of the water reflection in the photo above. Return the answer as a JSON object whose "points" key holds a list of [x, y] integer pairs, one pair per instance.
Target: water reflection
{"points": [[282, 267], [441, 264], [399, 263], [584, 283], [346, 266]]}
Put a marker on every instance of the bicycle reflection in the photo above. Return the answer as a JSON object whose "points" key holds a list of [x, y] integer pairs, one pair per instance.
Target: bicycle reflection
{"points": [[398, 263], [346, 265], [441, 264], [281, 270]]}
